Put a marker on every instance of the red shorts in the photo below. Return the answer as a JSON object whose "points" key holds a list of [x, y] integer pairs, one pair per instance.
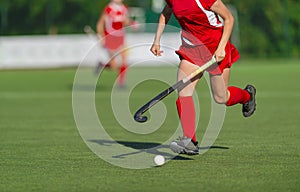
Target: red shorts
{"points": [[201, 54], [114, 43]]}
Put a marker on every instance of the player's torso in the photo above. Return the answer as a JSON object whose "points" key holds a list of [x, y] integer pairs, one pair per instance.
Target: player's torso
{"points": [[187, 11], [115, 17], [196, 20]]}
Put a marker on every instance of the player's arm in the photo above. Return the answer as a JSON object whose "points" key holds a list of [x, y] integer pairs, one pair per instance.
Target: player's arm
{"points": [[131, 22], [219, 8], [101, 26], [163, 20], [127, 21]]}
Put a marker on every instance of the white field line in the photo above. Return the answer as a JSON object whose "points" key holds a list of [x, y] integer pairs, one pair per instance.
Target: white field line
{"points": [[36, 95], [66, 94]]}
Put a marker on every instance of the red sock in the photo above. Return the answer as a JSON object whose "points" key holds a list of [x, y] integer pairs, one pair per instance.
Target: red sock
{"points": [[187, 115], [237, 95], [122, 75]]}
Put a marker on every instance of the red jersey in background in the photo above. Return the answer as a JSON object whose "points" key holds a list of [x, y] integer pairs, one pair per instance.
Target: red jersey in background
{"points": [[116, 15]]}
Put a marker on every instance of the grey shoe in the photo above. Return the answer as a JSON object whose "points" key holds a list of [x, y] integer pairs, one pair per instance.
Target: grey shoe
{"points": [[184, 145], [250, 106]]}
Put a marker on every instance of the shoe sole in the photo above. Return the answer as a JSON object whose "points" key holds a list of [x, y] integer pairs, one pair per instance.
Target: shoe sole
{"points": [[249, 113], [181, 150]]}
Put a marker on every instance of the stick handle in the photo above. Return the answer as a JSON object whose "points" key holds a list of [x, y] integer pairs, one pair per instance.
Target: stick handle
{"points": [[199, 70]]}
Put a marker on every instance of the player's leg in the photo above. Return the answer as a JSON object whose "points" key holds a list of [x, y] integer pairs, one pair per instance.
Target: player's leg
{"points": [[122, 72], [187, 114], [232, 95], [112, 64], [109, 64], [236, 95], [112, 45], [219, 84]]}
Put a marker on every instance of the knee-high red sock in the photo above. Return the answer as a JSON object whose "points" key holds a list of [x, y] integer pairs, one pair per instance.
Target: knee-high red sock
{"points": [[122, 75], [237, 95], [187, 115]]}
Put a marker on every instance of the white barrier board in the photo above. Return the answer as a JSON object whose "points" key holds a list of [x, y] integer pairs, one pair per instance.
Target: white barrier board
{"points": [[71, 50]]}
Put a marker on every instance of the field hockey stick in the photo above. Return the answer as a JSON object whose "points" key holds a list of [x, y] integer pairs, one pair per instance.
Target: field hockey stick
{"points": [[90, 32], [179, 85]]}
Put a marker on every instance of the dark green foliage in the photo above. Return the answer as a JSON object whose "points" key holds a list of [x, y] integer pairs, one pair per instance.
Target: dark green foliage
{"points": [[267, 28]]}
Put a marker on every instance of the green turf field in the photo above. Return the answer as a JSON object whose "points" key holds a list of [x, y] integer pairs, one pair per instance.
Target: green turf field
{"points": [[41, 149]]}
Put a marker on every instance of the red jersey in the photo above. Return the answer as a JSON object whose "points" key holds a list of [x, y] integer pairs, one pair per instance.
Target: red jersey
{"points": [[199, 24], [116, 15]]}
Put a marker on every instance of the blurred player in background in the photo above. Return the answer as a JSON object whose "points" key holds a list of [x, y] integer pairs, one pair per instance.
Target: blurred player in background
{"points": [[203, 36], [111, 32]]}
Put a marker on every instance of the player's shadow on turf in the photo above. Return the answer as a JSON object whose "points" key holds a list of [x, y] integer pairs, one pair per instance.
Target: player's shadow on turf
{"points": [[152, 148], [213, 147], [141, 147]]}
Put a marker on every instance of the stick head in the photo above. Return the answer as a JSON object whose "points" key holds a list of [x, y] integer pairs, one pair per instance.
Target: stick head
{"points": [[88, 29], [139, 118]]}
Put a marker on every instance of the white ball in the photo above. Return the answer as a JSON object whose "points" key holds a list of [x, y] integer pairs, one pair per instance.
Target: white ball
{"points": [[159, 160]]}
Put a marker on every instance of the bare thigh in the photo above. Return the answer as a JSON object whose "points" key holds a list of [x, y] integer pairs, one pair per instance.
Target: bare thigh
{"points": [[186, 68], [121, 53]]}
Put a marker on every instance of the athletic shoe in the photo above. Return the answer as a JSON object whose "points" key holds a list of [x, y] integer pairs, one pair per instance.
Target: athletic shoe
{"points": [[101, 66], [184, 145], [250, 106]]}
